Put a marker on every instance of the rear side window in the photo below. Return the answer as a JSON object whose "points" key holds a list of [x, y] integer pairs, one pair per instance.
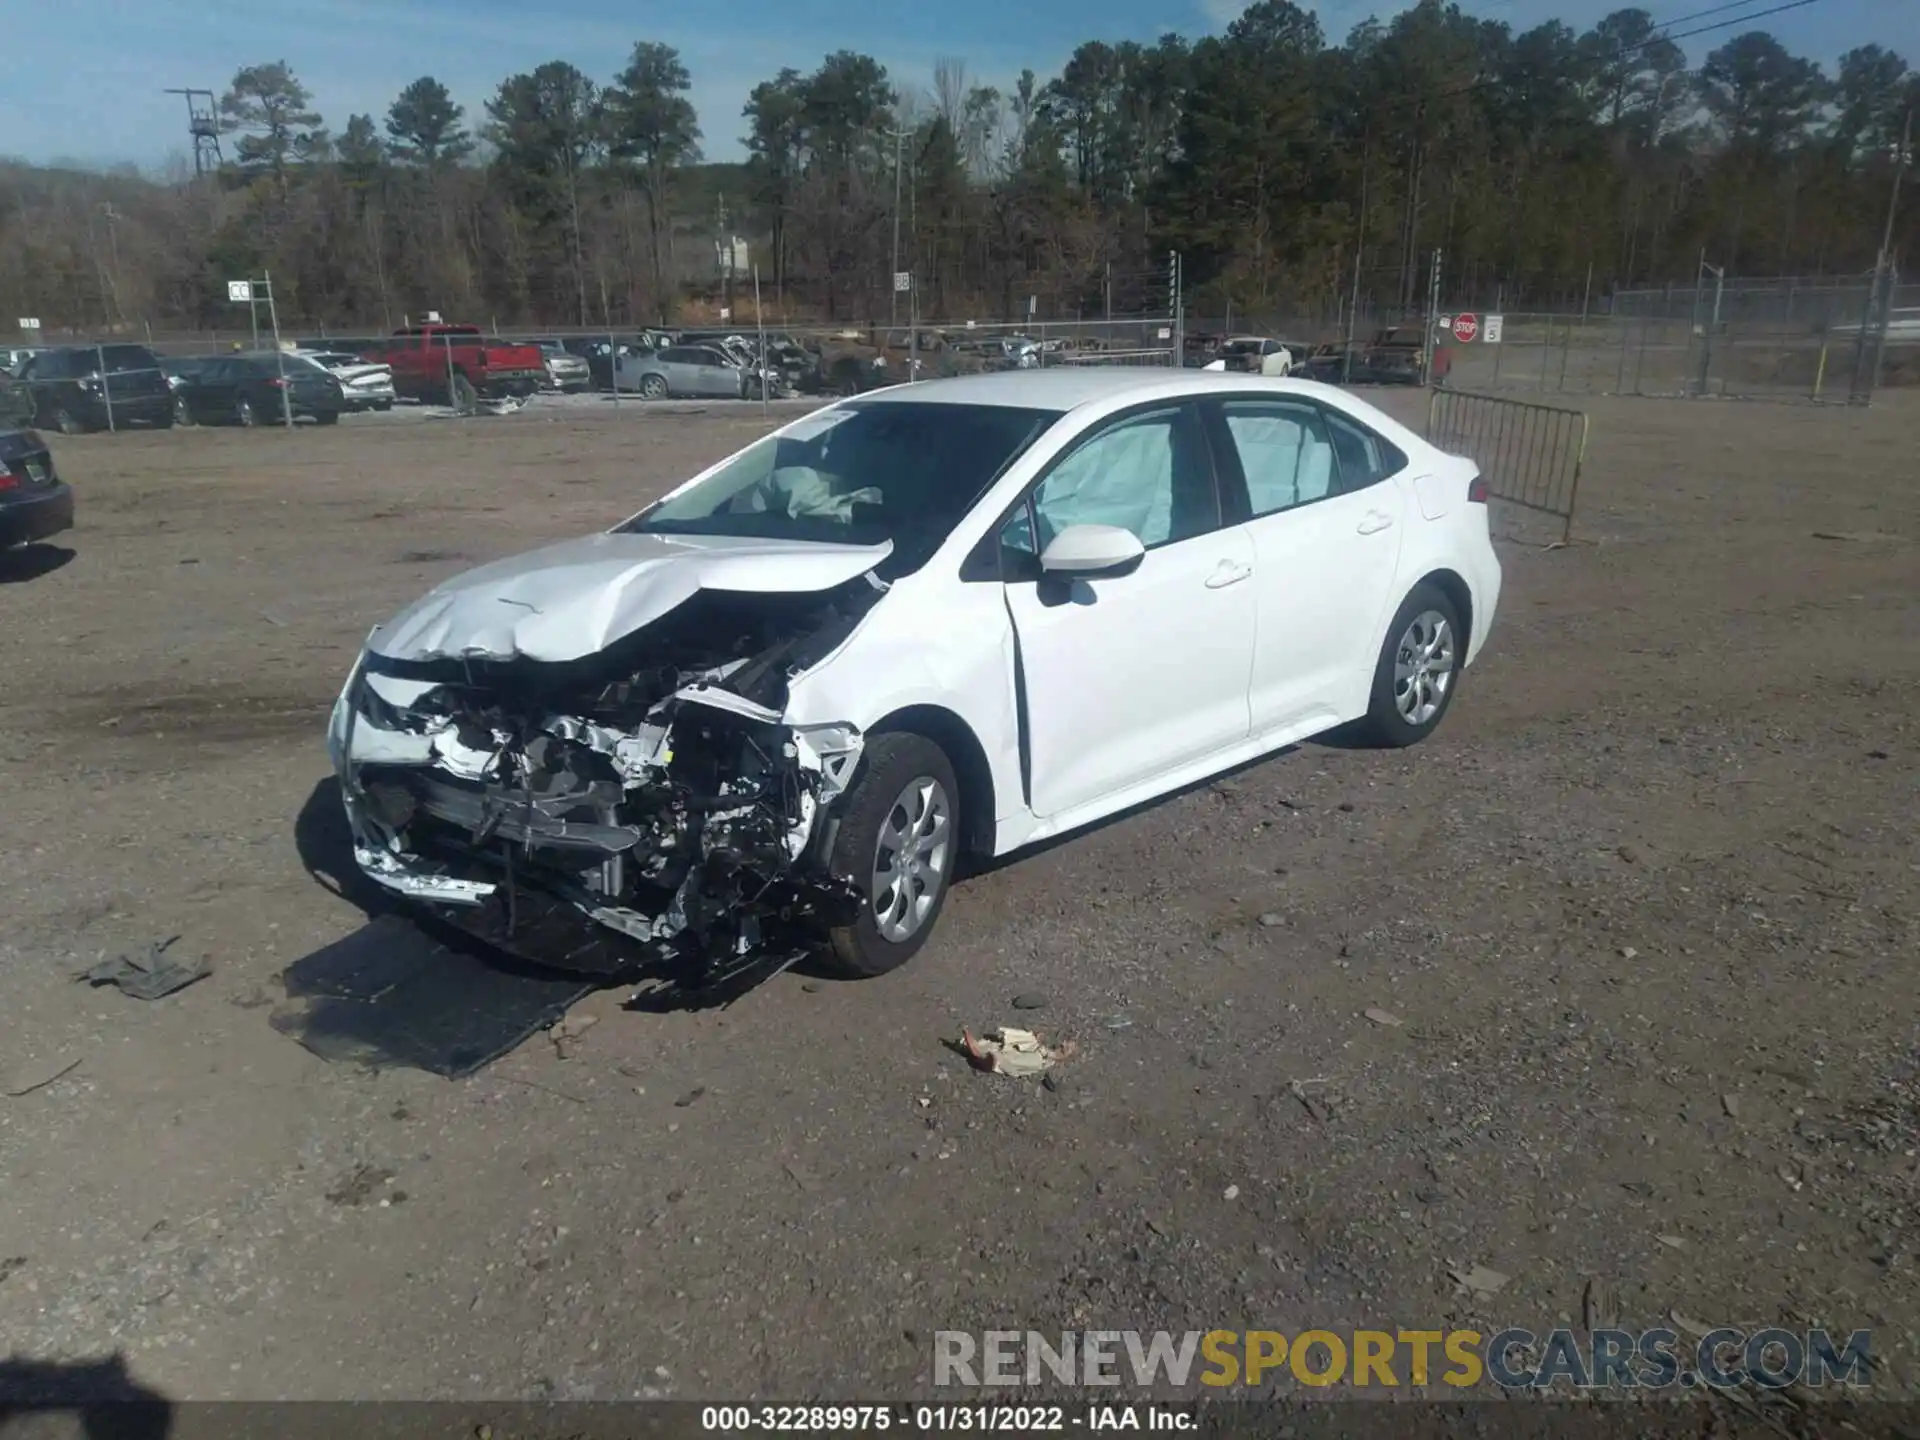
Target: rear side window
{"points": [[1284, 453], [1365, 458], [121, 358]]}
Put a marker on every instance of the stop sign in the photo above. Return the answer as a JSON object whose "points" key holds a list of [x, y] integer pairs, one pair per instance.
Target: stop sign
{"points": [[1465, 327]]}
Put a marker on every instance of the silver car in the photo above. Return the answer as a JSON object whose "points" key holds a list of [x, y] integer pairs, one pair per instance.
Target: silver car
{"points": [[566, 371], [703, 370]]}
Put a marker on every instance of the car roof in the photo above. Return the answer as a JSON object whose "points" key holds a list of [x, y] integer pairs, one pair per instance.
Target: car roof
{"points": [[1071, 386]]}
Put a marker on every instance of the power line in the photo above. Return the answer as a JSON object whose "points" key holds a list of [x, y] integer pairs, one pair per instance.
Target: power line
{"points": [[1703, 14], [1738, 19], [1626, 50]]}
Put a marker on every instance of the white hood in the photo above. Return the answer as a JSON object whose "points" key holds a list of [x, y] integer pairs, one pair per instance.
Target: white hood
{"points": [[576, 598]]}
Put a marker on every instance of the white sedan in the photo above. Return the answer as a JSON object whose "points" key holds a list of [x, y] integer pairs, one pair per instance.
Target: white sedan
{"points": [[779, 705], [366, 384]]}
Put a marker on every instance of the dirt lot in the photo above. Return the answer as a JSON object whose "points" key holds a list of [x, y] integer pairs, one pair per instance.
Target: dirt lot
{"points": [[1646, 906]]}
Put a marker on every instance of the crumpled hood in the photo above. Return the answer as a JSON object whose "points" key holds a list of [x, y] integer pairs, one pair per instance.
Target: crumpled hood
{"points": [[574, 599]]}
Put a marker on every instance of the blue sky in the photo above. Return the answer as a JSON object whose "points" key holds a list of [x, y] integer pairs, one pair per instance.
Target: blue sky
{"points": [[83, 79]]}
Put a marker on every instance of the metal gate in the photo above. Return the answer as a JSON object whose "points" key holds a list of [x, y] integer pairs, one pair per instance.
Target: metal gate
{"points": [[1530, 455]]}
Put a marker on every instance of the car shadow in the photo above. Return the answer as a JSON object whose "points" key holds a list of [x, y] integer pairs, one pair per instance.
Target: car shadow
{"points": [[101, 1395], [30, 562]]}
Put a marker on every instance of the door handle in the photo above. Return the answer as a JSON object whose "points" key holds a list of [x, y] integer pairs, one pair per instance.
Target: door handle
{"points": [[1226, 573], [1373, 522]]}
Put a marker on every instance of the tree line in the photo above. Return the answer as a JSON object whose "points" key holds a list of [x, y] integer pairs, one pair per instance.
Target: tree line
{"points": [[1289, 172]]}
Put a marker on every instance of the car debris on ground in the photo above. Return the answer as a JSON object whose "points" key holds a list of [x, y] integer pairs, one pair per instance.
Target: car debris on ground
{"points": [[1009, 1051], [151, 976]]}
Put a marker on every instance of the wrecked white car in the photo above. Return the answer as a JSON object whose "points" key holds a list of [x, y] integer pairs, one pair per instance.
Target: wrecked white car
{"points": [[776, 707]]}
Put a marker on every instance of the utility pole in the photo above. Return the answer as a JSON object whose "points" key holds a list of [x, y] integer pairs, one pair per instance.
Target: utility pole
{"points": [[1719, 274], [899, 143], [726, 260], [1885, 273]]}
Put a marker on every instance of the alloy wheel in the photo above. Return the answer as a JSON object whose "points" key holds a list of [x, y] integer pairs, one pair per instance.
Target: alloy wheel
{"points": [[1423, 664], [910, 858]]}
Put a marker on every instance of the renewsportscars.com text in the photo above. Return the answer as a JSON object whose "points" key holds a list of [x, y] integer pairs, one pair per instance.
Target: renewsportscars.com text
{"points": [[1512, 1359]]}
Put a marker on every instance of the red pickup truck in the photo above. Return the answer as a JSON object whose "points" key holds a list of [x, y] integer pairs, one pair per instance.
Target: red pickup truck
{"points": [[457, 364]]}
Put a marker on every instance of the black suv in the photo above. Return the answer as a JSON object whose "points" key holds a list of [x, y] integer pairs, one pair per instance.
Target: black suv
{"points": [[94, 387]]}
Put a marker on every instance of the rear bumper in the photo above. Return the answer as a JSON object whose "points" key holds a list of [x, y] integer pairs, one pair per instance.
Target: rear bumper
{"points": [[517, 385], [41, 514], [129, 409]]}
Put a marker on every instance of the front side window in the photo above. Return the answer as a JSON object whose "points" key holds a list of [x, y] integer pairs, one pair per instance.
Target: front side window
{"points": [[858, 474], [1147, 474], [1284, 453]]}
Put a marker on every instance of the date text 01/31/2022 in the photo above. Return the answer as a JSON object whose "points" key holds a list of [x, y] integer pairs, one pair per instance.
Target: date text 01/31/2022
{"points": [[936, 1419]]}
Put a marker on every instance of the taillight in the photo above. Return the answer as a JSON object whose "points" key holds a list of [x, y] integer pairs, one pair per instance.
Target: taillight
{"points": [[1477, 490], [276, 384], [9, 480]]}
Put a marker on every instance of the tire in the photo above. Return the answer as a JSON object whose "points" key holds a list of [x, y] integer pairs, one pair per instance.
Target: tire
{"points": [[182, 412], [166, 421], [895, 774], [463, 393], [326, 417], [1418, 672], [66, 422], [383, 406], [653, 387], [243, 413]]}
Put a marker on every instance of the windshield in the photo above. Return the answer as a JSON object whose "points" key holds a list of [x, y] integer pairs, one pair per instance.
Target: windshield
{"points": [[858, 474]]}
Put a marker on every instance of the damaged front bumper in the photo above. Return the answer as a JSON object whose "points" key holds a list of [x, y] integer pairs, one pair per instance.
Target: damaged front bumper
{"points": [[598, 828]]}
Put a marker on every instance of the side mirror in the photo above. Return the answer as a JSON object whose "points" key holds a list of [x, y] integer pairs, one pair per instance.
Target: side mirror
{"points": [[1087, 551]]}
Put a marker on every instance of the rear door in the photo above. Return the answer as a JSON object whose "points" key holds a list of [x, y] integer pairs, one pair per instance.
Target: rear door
{"points": [[210, 390], [1326, 549], [718, 377]]}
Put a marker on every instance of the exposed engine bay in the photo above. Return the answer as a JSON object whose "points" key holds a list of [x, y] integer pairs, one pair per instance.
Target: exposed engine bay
{"points": [[644, 803]]}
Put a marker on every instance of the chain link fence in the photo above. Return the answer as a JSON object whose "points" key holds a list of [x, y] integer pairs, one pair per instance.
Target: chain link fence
{"points": [[1832, 341]]}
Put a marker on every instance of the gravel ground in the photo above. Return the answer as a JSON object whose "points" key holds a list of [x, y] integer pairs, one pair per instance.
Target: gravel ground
{"points": [[1645, 908]]}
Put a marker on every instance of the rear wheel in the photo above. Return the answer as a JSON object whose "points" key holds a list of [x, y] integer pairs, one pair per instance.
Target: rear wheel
{"points": [[898, 842], [182, 412], [653, 387], [243, 413], [1418, 671]]}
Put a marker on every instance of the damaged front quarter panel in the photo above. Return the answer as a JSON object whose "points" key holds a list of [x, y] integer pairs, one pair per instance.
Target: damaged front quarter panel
{"points": [[651, 793]]}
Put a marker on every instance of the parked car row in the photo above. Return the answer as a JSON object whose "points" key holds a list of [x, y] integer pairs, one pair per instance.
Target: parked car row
{"points": [[35, 503]]}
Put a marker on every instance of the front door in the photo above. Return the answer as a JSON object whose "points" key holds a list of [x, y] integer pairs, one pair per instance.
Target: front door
{"points": [[1128, 677]]}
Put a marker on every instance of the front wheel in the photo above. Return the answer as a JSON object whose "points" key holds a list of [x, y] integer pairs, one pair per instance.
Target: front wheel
{"points": [[898, 842], [182, 412], [653, 387], [66, 422], [243, 413], [1418, 671]]}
